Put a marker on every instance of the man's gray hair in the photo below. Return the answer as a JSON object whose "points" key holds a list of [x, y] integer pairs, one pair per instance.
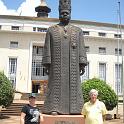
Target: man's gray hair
{"points": [[93, 91]]}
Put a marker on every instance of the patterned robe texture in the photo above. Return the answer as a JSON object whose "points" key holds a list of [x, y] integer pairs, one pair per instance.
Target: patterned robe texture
{"points": [[64, 52]]}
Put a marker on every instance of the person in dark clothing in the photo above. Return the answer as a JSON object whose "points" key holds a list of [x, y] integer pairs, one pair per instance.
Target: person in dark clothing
{"points": [[30, 113]]}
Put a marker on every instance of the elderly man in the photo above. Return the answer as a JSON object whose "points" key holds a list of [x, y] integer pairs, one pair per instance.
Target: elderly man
{"points": [[94, 111]]}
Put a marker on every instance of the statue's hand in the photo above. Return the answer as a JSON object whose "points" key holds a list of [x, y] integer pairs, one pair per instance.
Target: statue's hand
{"points": [[82, 72], [47, 68], [82, 69]]}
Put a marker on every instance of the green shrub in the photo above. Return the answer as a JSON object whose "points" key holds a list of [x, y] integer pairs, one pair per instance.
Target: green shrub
{"points": [[106, 94], [6, 91]]}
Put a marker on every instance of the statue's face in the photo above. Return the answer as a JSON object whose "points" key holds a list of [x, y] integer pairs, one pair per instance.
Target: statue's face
{"points": [[64, 15]]}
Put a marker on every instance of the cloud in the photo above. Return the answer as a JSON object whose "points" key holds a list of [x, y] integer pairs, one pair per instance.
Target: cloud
{"points": [[5, 11], [27, 8]]}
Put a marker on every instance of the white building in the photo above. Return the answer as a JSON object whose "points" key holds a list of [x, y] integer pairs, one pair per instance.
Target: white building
{"points": [[21, 45]]}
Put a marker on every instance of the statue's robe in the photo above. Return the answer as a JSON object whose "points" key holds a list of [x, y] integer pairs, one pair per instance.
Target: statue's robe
{"points": [[64, 52]]}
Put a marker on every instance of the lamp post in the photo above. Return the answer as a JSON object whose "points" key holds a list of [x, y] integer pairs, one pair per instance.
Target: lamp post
{"points": [[121, 43], [122, 79], [120, 46]]}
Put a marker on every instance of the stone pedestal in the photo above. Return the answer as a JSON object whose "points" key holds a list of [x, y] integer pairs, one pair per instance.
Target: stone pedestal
{"points": [[63, 119]]}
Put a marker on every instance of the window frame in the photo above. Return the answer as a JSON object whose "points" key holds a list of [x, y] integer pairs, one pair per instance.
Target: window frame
{"points": [[86, 33], [15, 28], [118, 52], [14, 44], [101, 34], [102, 50], [102, 74], [12, 70]]}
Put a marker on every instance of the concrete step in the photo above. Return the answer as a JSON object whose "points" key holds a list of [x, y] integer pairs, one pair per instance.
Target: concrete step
{"points": [[15, 108], [39, 97]]}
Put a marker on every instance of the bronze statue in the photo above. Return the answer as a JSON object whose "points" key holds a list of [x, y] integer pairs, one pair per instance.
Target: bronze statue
{"points": [[65, 59]]}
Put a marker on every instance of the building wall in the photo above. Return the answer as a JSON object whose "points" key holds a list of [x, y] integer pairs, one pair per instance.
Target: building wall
{"points": [[23, 54], [26, 38], [94, 57]]}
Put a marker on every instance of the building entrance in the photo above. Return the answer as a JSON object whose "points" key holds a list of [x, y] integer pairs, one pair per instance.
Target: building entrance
{"points": [[39, 87], [35, 88]]}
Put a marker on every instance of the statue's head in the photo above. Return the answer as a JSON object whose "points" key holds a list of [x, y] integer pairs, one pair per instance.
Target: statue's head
{"points": [[64, 10]]}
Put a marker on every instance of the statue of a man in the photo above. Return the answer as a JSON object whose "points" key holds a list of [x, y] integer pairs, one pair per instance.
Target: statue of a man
{"points": [[65, 59]]}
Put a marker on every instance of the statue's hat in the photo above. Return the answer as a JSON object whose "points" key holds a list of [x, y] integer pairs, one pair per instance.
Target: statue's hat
{"points": [[64, 5]]}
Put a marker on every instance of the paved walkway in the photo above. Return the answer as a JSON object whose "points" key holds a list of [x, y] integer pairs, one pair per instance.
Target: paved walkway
{"points": [[10, 120], [16, 119]]}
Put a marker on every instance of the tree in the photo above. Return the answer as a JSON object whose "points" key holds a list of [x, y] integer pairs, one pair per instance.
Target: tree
{"points": [[6, 91], [106, 94]]}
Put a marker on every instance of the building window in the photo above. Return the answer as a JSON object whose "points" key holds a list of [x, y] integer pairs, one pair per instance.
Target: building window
{"points": [[102, 71], [87, 48], [118, 51], [118, 82], [102, 50], [15, 28], [42, 29], [101, 34], [13, 44], [12, 70], [37, 50], [117, 35], [86, 33], [85, 76], [37, 68], [34, 28], [39, 29]]}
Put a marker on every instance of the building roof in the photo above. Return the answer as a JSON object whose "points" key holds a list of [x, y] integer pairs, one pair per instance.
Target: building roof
{"points": [[57, 20]]}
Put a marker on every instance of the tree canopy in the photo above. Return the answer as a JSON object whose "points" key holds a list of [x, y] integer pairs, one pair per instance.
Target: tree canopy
{"points": [[106, 93], [6, 91]]}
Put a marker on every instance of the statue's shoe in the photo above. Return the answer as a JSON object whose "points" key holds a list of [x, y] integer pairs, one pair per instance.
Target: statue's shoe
{"points": [[54, 113]]}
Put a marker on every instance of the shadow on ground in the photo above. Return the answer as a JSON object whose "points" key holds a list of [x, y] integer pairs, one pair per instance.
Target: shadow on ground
{"points": [[3, 116]]}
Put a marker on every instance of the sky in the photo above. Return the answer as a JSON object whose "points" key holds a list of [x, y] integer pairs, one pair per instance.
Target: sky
{"points": [[105, 11]]}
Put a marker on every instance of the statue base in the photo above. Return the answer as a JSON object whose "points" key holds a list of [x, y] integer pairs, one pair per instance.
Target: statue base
{"points": [[63, 119]]}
